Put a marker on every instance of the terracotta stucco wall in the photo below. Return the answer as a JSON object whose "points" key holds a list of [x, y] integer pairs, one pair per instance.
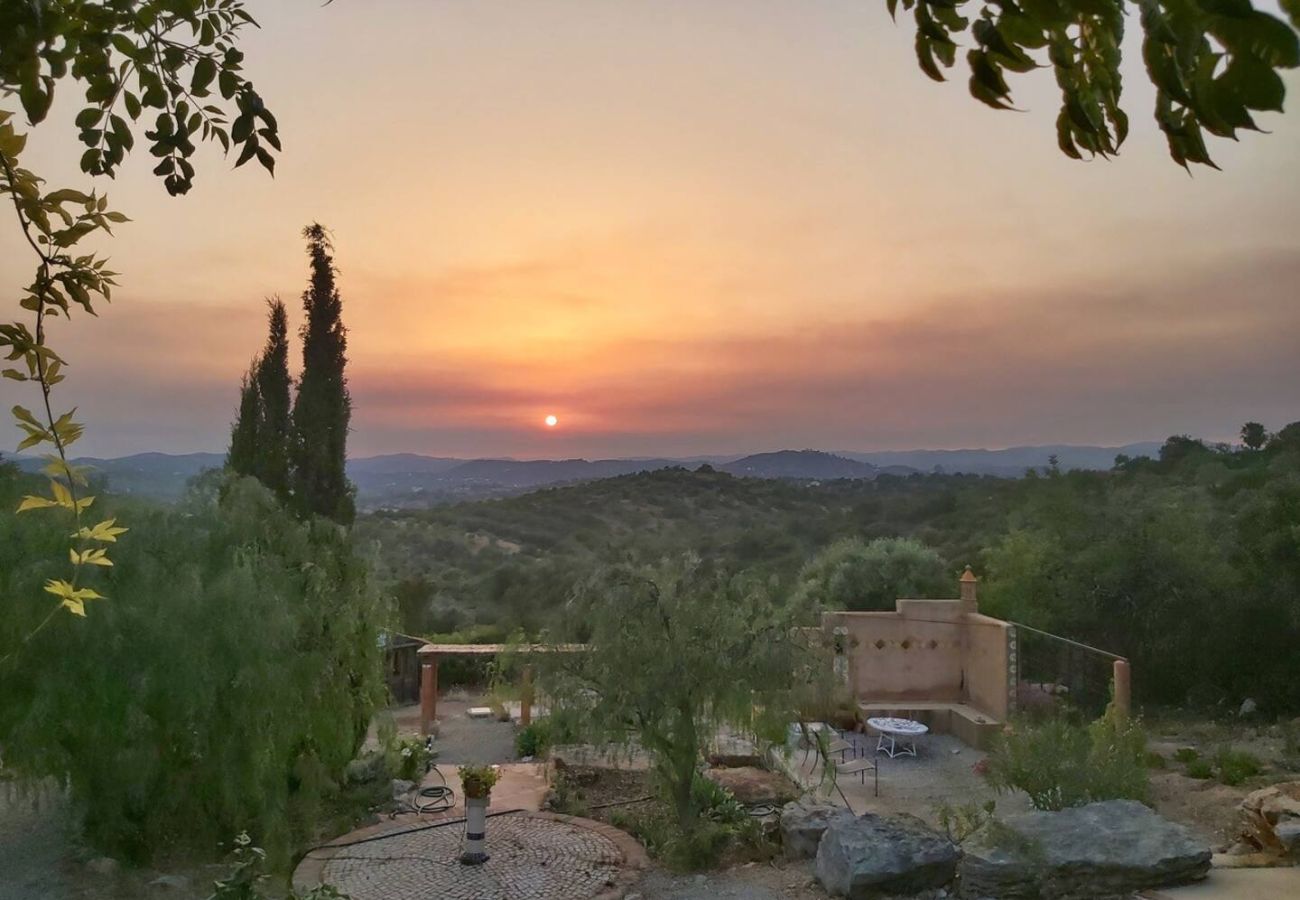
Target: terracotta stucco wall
{"points": [[927, 650], [914, 653], [986, 665]]}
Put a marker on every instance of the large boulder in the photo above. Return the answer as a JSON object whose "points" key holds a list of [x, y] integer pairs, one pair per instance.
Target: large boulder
{"points": [[1105, 849], [1273, 813], [874, 855], [804, 823]]}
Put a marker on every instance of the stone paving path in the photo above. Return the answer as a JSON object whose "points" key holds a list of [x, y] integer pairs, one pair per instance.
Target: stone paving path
{"points": [[534, 856]]}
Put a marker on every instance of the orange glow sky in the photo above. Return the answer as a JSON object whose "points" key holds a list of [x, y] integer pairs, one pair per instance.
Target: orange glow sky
{"points": [[689, 227]]}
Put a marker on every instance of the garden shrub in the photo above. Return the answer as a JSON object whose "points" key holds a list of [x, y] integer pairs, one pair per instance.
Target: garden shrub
{"points": [[247, 876], [723, 825], [222, 687], [1200, 769], [1235, 766], [1060, 764], [534, 739], [1186, 755], [960, 822]]}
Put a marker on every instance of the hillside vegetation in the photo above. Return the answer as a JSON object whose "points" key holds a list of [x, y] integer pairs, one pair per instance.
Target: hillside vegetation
{"points": [[1189, 563]]}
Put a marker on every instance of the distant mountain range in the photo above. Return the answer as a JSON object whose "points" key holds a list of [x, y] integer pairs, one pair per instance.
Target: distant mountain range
{"points": [[409, 479]]}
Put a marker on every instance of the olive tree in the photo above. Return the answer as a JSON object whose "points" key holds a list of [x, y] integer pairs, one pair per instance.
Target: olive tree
{"points": [[855, 575], [674, 654]]}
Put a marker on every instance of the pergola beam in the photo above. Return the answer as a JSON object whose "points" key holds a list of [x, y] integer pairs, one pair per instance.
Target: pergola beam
{"points": [[429, 654]]}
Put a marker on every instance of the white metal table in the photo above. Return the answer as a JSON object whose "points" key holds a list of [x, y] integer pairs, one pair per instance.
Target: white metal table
{"points": [[890, 729]]}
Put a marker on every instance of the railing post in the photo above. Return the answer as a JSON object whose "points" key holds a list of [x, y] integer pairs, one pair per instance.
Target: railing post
{"points": [[1123, 688], [428, 693], [526, 698]]}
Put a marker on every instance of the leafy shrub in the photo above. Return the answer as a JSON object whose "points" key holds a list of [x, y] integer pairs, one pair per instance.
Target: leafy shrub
{"points": [[1186, 755], [1200, 768], [1059, 764], [960, 822], [716, 803], [477, 781], [702, 847], [534, 739], [723, 825], [1156, 761], [247, 876], [566, 796], [1235, 766], [223, 687], [412, 758]]}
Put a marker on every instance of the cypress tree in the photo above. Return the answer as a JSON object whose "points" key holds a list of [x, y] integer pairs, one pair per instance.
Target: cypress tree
{"points": [[322, 408], [242, 455], [271, 458]]}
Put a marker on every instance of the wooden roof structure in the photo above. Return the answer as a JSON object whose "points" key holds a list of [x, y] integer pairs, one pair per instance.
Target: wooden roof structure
{"points": [[494, 649]]}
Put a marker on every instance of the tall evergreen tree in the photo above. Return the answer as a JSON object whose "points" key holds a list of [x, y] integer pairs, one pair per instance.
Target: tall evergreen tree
{"points": [[271, 463], [323, 408], [242, 455]]}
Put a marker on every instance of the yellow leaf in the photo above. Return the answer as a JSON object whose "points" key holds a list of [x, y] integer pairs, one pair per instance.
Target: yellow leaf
{"points": [[34, 502], [24, 415], [71, 598], [95, 558], [105, 531], [62, 496]]}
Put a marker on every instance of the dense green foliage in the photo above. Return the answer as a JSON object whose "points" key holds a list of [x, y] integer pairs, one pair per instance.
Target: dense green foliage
{"points": [[853, 574], [259, 439], [322, 409], [675, 652], [1213, 62], [176, 58], [1191, 557], [224, 688], [1060, 764]]}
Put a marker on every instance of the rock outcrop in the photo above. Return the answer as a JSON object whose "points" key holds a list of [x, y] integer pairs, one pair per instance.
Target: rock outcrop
{"points": [[804, 823], [1273, 813], [1105, 849], [872, 855]]}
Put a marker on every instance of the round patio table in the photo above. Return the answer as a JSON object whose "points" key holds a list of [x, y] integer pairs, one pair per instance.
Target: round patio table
{"points": [[889, 729]]}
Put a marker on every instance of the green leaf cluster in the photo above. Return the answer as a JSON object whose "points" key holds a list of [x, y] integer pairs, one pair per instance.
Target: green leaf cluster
{"points": [[1213, 62], [174, 63]]}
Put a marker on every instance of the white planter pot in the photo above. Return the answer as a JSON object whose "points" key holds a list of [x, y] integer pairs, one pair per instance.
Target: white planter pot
{"points": [[475, 853]]}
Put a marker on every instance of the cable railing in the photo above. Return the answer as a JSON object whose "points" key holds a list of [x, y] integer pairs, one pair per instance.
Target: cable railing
{"points": [[1053, 674]]}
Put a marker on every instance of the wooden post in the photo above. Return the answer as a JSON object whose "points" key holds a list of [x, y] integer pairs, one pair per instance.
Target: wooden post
{"points": [[526, 698], [1123, 688], [428, 693]]}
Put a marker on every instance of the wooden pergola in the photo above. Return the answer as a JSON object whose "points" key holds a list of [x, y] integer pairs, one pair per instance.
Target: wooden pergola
{"points": [[429, 655]]}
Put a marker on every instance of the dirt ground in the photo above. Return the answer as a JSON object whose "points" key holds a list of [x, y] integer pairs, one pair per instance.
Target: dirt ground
{"points": [[749, 881], [1207, 806]]}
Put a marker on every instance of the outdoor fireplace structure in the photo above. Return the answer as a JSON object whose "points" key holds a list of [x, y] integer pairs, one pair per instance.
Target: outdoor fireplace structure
{"points": [[943, 663]]}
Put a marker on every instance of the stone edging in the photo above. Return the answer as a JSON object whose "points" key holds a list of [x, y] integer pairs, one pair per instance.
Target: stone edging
{"points": [[312, 866]]}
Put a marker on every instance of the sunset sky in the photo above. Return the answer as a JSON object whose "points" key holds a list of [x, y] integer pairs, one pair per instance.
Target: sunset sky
{"points": [[687, 227]]}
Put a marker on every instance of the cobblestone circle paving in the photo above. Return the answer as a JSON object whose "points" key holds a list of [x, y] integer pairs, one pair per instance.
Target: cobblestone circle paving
{"points": [[531, 859]]}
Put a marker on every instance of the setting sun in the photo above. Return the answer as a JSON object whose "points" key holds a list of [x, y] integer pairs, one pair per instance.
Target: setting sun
{"points": [[552, 421]]}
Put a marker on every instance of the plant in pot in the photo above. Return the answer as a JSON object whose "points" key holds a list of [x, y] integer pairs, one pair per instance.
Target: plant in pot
{"points": [[476, 784]]}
